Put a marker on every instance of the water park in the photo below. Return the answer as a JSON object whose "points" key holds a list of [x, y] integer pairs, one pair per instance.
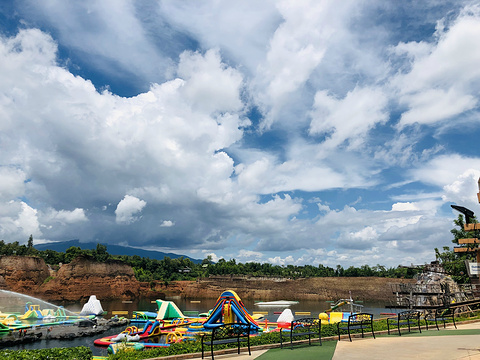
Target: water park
{"points": [[170, 326], [228, 323], [149, 329], [433, 302]]}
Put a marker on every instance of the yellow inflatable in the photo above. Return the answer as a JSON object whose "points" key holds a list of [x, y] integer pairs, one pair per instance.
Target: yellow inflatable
{"points": [[323, 318]]}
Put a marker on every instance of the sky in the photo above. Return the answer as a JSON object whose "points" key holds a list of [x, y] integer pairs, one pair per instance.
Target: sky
{"points": [[289, 132]]}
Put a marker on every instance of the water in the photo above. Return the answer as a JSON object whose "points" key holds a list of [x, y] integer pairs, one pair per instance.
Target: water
{"points": [[81, 341], [14, 302]]}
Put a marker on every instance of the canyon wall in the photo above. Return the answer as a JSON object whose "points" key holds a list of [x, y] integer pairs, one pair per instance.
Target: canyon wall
{"points": [[83, 277]]}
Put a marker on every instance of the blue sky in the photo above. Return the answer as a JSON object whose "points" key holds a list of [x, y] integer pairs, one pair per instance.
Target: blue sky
{"points": [[289, 132]]}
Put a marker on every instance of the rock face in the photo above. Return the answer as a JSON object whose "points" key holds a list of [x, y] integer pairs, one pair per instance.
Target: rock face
{"points": [[75, 281], [322, 288], [84, 277], [24, 274]]}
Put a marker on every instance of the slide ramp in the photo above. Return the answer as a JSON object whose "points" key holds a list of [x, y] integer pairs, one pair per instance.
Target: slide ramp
{"points": [[227, 305]]}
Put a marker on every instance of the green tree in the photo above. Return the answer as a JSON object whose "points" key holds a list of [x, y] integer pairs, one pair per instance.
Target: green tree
{"points": [[72, 252], [30, 249], [461, 233], [452, 262], [208, 260], [100, 253]]}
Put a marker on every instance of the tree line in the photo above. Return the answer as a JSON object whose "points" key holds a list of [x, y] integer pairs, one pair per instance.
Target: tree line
{"points": [[181, 268]]}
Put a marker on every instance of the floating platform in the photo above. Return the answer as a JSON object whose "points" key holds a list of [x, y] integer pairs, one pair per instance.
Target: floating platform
{"points": [[276, 303]]}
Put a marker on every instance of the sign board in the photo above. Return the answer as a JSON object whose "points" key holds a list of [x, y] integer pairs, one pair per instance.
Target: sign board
{"points": [[473, 268]]}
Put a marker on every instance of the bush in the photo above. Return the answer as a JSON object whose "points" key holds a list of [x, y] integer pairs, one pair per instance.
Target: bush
{"points": [[76, 353], [48, 279]]}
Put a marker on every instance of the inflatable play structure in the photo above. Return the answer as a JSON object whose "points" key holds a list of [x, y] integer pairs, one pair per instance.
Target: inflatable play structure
{"points": [[4, 328], [347, 307], [124, 346], [34, 316], [141, 317], [172, 326], [92, 307], [168, 310], [229, 309], [132, 335], [167, 313], [33, 312]]}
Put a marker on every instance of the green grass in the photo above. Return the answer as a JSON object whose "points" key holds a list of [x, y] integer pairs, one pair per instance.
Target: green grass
{"points": [[304, 352]]}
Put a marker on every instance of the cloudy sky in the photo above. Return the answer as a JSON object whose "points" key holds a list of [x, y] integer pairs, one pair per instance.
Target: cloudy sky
{"points": [[290, 132]]}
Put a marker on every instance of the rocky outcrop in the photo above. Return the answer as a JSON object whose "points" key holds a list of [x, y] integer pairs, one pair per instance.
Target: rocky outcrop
{"points": [[83, 277], [75, 281], [24, 274]]}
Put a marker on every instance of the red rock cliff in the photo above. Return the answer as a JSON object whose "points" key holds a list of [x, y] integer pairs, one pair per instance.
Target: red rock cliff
{"points": [[115, 280], [24, 274], [72, 282], [84, 277]]}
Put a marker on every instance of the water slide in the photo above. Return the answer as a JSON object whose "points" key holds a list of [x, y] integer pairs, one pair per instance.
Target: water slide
{"points": [[149, 329], [228, 307], [168, 310], [32, 312], [341, 303]]}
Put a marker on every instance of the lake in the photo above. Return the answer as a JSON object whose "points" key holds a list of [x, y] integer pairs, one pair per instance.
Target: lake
{"points": [[12, 304]]}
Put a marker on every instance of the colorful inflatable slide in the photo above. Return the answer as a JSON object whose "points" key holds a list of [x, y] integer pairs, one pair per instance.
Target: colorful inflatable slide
{"points": [[228, 309]]}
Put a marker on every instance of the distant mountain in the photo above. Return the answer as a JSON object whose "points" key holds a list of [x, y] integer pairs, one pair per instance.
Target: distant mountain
{"points": [[62, 246]]}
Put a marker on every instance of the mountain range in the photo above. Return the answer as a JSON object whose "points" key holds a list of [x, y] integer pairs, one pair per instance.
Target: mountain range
{"points": [[62, 246]]}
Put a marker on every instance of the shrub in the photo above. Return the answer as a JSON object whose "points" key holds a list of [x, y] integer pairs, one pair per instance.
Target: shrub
{"points": [[76, 353], [48, 279]]}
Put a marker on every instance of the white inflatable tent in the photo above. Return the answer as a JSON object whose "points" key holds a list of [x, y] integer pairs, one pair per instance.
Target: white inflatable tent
{"points": [[92, 307]]}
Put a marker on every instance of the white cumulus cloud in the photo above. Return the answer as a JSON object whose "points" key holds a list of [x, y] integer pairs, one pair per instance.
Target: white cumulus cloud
{"points": [[128, 209]]}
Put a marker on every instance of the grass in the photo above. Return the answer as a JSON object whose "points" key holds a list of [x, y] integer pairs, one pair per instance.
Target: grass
{"points": [[304, 352]]}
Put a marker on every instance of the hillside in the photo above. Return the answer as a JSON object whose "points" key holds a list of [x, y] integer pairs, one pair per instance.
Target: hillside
{"points": [[62, 246]]}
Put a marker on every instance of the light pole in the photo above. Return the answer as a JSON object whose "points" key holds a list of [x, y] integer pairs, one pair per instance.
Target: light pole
{"points": [[469, 214]]}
